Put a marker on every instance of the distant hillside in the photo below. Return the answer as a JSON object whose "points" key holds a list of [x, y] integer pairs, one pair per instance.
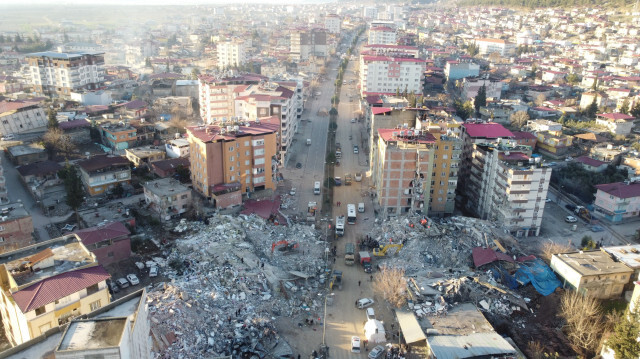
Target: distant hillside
{"points": [[547, 3]]}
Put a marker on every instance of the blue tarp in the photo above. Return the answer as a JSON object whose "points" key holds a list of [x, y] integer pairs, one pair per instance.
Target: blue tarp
{"points": [[539, 275], [504, 277]]}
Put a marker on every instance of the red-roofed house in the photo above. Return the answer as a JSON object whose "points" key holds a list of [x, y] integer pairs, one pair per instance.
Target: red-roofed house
{"points": [[618, 123], [45, 285], [101, 173], [525, 138], [109, 242], [591, 164], [617, 202]]}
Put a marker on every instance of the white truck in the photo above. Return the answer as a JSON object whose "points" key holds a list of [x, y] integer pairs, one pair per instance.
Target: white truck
{"points": [[340, 226]]}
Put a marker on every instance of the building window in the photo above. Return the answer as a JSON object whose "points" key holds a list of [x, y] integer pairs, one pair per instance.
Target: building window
{"points": [[1, 228], [92, 289], [40, 311], [95, 305]]}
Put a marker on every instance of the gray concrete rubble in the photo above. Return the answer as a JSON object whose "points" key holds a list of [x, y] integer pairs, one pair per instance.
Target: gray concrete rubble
{"points": [[437, 259], [228, 284]]}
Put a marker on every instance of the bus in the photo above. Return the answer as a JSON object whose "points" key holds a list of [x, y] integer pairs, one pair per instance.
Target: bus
{"points": [[351, 213]]}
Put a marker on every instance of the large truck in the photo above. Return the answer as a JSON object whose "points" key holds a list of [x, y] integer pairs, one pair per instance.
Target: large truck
{"points": [[312, 207], [336, 280], [338, 150], [351, 213], [347, 179], [340, 226], [365, 261], [349, 254]]}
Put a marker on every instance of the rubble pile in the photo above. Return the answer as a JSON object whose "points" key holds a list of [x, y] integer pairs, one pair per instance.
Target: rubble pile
{"points": [[228, 271]]}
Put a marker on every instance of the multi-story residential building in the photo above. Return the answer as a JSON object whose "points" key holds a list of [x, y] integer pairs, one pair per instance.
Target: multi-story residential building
{"points": [[57, 74], [231, 54], [618, 123], [217, 95], [415, 171], [471, 87], [118, 136], [229, 161], [489, 46], [109, 242], [47, 284], [307, 43], [21, 117], [143, 156], [384, 35], [455, 69], [102, 173], [177, 148], [391, 50], [167, 197], [387, 75], [618, 202], [506, 185], [554, 143], [592, 273], [333, 23], [370, 12], [16, 227], [4, 198]]}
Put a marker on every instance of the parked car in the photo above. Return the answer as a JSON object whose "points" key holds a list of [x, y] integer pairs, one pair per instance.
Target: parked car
{"points": [[364, 302], [153, 272], [292, 191], [337, 181], [353, 120], [355, 344], [122, 283], [113, 287], [571, 207], [358, 176], [570, 219], [376, 352], [371, 314], [133, 279], [7, 137], [597, 228], [355, 149], [547, 200]]}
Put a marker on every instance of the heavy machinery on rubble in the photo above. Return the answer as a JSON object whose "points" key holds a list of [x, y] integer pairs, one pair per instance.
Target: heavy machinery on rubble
{"points": [[284, 246], [382, 250], [583, 213], [336, 280]]}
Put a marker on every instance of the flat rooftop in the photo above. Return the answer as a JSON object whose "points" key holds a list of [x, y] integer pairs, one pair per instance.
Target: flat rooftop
{"points": [[590, 263], [22, 150], [146, 151], [93, 334], [629, 254], [67, 252], [461, 320], [165, 186], [12, 211]]}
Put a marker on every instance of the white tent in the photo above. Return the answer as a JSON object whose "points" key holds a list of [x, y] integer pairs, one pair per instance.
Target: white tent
{"points": [[374, 331]]}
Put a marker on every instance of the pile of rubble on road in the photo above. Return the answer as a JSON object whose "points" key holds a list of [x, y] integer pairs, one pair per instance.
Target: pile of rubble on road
{"points": [[221, 296]]}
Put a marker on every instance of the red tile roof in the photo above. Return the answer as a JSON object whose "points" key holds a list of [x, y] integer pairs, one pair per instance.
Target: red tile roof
{"points": [[590, 161], [620, 189], [616, 116], [379, 110], [102, 161], [487, 130], [522, 135], [67, 125], [98, 234], [57, 287]]}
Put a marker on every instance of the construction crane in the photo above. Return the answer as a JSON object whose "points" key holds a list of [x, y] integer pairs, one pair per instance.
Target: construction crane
{"points": [[382, 251]]}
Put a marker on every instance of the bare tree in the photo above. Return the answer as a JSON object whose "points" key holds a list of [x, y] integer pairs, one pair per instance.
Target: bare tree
{"points": [[391, 285], [56, 141], [584, 320], [519, 119], [444, 99], [540, 99], [551, 248]]}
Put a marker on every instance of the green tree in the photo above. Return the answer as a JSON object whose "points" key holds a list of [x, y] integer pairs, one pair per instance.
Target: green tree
{"points": [[183, 173], [473, 49], [587, 243], [594, 86], [481, 99], [463, 110], [52, 119], [592, 109], [147, 62], [635, 110], [194, 73], [573, 79], [73, 186], [624, 341], [17, 39], [625, 106]]}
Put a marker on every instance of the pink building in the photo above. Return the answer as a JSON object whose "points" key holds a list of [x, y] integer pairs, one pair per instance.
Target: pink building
{"points": [[110, 242], [617, 202]]}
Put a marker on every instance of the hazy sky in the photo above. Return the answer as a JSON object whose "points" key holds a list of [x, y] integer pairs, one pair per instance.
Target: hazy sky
{"points": [[152, 2]]}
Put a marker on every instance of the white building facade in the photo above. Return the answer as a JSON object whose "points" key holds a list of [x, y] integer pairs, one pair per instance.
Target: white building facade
{"points": [[386, 75], [231, 54]]}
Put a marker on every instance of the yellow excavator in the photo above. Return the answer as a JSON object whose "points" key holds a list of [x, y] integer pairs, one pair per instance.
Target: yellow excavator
{"points": [[382, 251]]}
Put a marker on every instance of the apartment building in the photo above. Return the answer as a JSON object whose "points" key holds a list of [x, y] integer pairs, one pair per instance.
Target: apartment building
{"points": [[307, 43], [618, 202], [471, 87], [143, 156], [387, 75], [333, 23], [370, 12], [4, 197], [58, 74], [45, 285], [229, 161], [21, 116], [507, 185], [444, 176], [231, 54], [16, 227], [384, 35], [101, 173], [118, 136], [109, 242], [488, 46], [391, 50], [455, 69], [167, 197], [217, 95]]}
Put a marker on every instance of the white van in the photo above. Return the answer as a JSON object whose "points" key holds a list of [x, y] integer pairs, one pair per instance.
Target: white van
{"points": [[316, 187], [355, 344], [361, 207]]}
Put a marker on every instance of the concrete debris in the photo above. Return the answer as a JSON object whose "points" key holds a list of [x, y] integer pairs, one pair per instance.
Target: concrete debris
{"points": [[222, 298]]}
